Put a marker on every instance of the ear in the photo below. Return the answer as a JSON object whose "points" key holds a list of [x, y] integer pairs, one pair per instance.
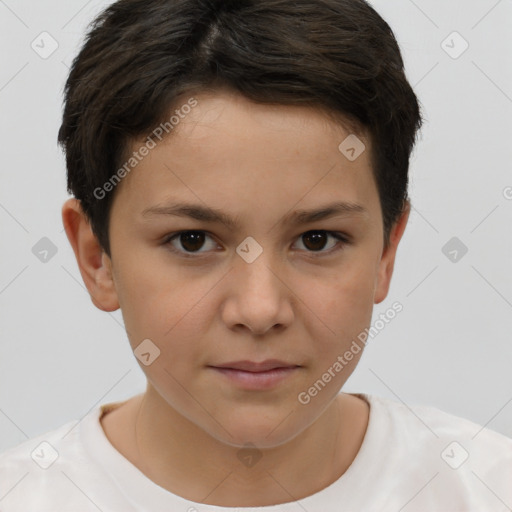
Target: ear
{"points": [[94, 264], [387, 260]]}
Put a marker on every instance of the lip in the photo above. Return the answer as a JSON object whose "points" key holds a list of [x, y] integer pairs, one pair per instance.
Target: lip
{"points": [[252, 366], [253, 375]]}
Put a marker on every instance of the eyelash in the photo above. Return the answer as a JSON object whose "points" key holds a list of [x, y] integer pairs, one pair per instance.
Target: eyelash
{"points": [[337, 235]]}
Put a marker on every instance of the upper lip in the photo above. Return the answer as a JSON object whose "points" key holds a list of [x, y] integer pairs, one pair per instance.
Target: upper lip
{"points": [[252, 366]]}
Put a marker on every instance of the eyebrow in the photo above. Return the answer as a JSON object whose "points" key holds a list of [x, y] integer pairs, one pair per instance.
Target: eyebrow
{"points": [[212, 215]]}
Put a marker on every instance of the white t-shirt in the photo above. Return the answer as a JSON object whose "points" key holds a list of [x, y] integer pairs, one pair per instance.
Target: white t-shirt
{"points": [[411, 459]]}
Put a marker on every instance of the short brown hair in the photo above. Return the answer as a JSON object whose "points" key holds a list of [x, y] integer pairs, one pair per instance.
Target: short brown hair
{"points": [[140, 55]]}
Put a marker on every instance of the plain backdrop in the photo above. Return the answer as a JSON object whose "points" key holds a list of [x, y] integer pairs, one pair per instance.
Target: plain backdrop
{"points": [[450, 347]]}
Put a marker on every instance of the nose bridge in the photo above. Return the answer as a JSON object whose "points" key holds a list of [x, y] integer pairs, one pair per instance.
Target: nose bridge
{"points": [[258, 298], [257, 266]]}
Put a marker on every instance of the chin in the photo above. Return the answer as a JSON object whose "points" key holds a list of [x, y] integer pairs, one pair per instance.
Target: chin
{"points": [[257, 431]]}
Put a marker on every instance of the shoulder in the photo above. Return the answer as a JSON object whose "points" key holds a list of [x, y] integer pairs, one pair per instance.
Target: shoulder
{"points": [[47, 471], [436, 426], [39, 451], [454, 456]]}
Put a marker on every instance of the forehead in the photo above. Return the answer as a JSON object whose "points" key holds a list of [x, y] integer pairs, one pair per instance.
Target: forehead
{"points": [[235, 114], [227, 148]]}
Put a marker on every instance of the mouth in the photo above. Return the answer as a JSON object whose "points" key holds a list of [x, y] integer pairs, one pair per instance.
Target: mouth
{"points": [[253, 375]]}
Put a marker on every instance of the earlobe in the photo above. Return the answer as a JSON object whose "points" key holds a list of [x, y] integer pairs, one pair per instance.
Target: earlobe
{"points": [[387, 261], [94, 265]]}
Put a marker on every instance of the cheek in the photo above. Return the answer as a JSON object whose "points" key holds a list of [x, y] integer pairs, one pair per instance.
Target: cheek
{"points": [[340, 303], [152, 298], [164, 305], [339, 309]]}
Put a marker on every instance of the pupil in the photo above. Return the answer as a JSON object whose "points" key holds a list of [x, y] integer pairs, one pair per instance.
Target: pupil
{"points": [[318, 240], [192, 240]]}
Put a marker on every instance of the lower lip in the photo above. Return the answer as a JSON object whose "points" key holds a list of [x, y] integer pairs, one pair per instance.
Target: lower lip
{"points": [[257, 380]]}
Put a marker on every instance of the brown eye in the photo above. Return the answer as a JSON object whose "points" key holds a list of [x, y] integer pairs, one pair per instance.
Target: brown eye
{"points": [[187, 242], [192, 240], [315, 241]]}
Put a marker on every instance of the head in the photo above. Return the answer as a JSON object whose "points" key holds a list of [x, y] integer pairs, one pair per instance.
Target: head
{"points": [[247, 112]]}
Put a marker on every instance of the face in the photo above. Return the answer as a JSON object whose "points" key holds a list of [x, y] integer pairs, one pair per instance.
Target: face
{"points": [[252, 279]]}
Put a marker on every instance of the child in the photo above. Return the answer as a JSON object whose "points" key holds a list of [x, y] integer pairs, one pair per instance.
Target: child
{"points": [[211, 146]]}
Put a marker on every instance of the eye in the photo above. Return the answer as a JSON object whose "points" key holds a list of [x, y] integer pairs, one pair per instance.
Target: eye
{"points": [[316, 241], [191, 241]]}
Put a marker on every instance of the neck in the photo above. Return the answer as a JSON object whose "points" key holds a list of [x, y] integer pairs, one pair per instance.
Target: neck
{"points": [[184, 459]]}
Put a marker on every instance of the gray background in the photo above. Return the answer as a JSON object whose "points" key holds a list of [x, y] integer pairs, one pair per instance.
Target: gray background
{"points": [[450, 347]]}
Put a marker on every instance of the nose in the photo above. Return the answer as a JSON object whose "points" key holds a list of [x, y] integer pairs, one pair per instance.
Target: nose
{"points": [[259, 299]]}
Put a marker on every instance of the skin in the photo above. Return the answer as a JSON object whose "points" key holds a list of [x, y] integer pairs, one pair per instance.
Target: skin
{"points": [[258, 163]]}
